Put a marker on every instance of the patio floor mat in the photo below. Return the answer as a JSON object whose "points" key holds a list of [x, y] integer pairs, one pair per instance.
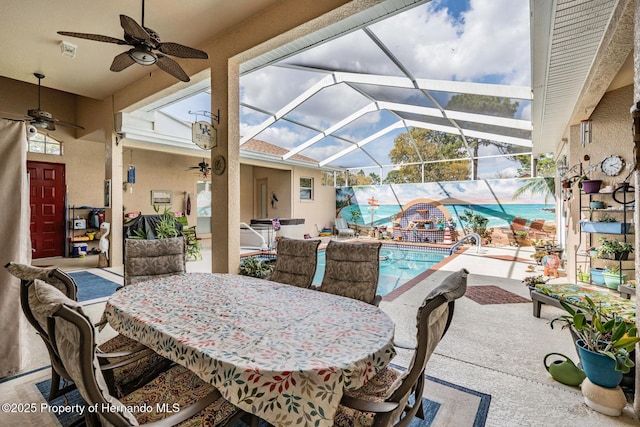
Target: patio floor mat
{"points": [[493, 295]]}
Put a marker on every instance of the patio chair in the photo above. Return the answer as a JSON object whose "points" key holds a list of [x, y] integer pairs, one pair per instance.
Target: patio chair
{"points": [[394, 398], [73, 339], [148, 259], [352, 270], [536, 229], [145, 363], [342, 228], [296, 262]]}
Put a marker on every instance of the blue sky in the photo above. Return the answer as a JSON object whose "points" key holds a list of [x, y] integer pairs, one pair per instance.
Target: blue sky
{"points": [[469, 40]]}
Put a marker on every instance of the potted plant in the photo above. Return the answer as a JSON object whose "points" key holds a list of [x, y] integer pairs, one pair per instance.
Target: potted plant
{"points": [[254, 267], [582, 277], [604, 342], [532, 281], [613, 277], [605, 224], [614, 249]]}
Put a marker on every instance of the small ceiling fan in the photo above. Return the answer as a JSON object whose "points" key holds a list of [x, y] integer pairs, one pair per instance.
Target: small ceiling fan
{"points": [[43, 119], [203, 167], [147, 49]]}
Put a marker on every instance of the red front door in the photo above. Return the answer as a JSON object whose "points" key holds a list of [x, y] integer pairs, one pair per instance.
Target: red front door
{"points": [[47, 186]]}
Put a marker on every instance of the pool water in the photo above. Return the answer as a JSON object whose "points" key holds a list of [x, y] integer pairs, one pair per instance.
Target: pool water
{"points": [[397, 266]]}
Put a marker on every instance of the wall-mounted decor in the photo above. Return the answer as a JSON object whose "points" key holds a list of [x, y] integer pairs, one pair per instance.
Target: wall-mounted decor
{"points": [[160, 197], [107, 193]]}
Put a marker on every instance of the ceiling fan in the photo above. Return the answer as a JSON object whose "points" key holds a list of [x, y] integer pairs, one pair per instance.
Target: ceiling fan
{"points": [[43, 119], [147, 49], [203, 167]]}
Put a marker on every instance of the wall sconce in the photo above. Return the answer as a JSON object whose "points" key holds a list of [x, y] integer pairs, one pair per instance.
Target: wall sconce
{"points": [[585, 132]]}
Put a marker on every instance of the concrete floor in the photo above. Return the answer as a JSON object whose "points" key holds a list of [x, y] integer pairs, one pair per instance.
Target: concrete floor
{"points": [[496, 349]]}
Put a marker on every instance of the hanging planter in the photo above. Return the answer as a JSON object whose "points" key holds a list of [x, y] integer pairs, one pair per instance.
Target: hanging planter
{"points": [[591, 185]]}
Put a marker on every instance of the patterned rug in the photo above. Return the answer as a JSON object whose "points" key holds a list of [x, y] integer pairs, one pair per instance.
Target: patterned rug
{"points": [[445, 404], [493, 295]]}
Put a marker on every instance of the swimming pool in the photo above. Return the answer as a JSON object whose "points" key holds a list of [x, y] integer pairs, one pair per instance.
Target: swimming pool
{"points": [[397, 266]]}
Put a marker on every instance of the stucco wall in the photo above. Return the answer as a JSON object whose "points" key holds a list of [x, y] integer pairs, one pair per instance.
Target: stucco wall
{"points": [[611, 130]]}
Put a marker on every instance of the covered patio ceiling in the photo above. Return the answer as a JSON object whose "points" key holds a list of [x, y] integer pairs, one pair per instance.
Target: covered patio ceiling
{"points": [[341, 103]]}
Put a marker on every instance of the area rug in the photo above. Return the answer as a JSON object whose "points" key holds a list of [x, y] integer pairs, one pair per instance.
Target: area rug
{"points": [[493, 295], [93, 288], [444, 403]]}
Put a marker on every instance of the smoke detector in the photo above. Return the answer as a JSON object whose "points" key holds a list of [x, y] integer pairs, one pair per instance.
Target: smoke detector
{"points": [[68, 49]]}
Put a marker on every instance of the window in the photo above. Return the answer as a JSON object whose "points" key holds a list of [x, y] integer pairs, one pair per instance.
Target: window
{"points": [[44, 144], [306, 188]]}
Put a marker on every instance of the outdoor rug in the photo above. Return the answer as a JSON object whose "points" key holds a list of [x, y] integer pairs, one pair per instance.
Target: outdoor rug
{"points": [[493, 295], [444, 403], [93, 288]]}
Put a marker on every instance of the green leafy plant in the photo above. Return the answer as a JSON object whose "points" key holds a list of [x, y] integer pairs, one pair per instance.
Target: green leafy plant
{"points": [[607, 218], [532, 281], [166, 227], [254, 267], [612, 248], [355, 217], [474, 223], [601, 333]]}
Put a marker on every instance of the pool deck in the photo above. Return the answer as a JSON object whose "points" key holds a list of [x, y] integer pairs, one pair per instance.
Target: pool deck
{"points": [[494, 348]]}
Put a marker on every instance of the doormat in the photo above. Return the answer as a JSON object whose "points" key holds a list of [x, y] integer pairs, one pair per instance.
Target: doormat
{"points": [[93, 288], [493, 295]]}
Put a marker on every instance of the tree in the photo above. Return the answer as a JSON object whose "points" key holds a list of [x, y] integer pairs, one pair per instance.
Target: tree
{"points": [[488, 106], [543, 186], [431, 145]]}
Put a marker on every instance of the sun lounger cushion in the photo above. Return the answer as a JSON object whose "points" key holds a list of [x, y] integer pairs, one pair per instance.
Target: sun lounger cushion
{"points": [[575, 295]]}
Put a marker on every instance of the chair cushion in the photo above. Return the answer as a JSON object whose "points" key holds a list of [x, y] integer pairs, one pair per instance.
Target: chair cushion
{"points": [[135, 374], [352, 270], [377, 389], [147, 259], [45, 300], [181, 387], [296, 262]]}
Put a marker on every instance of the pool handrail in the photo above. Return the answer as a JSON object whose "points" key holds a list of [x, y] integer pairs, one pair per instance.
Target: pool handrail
{"points": [[264, 242], [477, 238]]}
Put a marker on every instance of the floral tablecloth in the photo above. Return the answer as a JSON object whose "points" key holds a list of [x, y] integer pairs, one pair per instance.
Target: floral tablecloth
{"points": [[283, 353]]}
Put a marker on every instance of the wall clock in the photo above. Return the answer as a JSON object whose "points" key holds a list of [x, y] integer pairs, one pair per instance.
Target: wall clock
{"points": [[219, 165], [612, 165]]}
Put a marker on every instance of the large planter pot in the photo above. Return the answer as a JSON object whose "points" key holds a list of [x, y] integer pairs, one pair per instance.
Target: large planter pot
{"points": [[600, 369], [618, 256], [591, 185], [605, 227], [613, 280], [597, 276]]}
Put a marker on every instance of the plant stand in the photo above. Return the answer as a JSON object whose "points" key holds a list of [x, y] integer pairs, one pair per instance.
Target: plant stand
{"points": [[608, 401]]}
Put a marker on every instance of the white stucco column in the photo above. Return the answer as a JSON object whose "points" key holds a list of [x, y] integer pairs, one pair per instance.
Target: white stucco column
{"points": [[635, 181], [113, 172]]}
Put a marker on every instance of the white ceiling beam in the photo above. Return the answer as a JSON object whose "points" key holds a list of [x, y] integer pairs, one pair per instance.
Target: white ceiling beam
{"points": [[325, 82], [458, 115], [361, 112], [472, 133], [362, 143], [503, 91]]}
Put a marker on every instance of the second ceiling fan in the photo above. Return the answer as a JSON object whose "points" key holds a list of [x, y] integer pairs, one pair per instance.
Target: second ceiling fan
{"points": [[147, 49]]}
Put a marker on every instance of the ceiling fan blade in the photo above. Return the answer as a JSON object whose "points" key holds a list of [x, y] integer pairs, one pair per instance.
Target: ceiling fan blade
{"points": [[170, 66], [181, 51], [96, 37], [67, 124], [121, 61], [132, 28]]}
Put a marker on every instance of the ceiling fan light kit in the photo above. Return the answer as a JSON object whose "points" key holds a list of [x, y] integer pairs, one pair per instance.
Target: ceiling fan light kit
{"points": [[144, 41]]}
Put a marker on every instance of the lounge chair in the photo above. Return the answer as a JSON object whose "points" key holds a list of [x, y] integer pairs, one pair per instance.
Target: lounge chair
{"points": [[517, 224], [342, 228]]}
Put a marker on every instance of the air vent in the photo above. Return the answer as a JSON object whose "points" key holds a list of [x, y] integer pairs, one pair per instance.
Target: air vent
{"points": [[68, 49]]}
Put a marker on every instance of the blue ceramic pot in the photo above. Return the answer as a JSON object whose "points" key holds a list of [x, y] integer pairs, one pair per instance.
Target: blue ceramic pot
{"points": [[600, 369]]}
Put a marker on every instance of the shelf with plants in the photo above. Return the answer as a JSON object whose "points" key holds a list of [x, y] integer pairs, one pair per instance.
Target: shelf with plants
{"points": [[605, 248]]}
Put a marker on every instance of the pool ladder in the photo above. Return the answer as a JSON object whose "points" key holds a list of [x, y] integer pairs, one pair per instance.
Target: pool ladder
{"points": [[246, 226], [475, 236]]}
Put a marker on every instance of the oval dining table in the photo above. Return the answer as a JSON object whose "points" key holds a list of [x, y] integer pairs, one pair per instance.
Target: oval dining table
{"points": [[283, 353]]}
